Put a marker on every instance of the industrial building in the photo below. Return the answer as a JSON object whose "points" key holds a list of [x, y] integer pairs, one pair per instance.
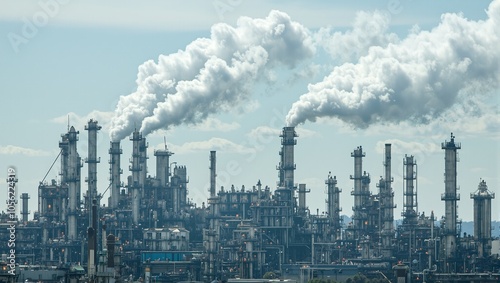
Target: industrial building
{"points": [[148, 230]]}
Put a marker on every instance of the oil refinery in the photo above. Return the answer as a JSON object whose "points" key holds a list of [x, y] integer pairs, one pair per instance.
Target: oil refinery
{"points": [[149, 231]]}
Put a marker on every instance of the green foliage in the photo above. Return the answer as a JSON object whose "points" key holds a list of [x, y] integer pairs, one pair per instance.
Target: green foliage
{"points": [[269, 275]]}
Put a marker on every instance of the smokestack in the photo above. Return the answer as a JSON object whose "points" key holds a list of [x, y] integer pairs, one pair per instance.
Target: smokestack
{"points": [[410, 192], [450, 197], [334, 205], [287, 166], [387, 206], [143, 158], [92, 127], [115, 151], [213, 173], [358, 193], [24, 211], [72, 178], [135, 168]]}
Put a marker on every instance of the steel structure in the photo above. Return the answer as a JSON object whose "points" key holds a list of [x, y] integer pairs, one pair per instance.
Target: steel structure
{"points": [[151, 230]]}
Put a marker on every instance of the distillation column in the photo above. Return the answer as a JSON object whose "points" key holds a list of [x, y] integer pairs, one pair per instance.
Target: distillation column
{"points": [[287, 166], [179, 187], [333, 205], [482, 218], [302, 198], [92, 127], [115, 151], [135, 168], [24, 209], [213, 172], [163, 166], [358, 193], [450, 197], [211, 235], [143, 158], [410, 192], [72, 178], [387, 206]]}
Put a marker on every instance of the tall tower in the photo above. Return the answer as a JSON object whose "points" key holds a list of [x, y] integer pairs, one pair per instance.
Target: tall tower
{"points": [[211, 235], [333, 204], [24, 209], [163, 165], [359, 192], [92, 127], [71, 176], [482, 218], [450, 197], [387, 206], [287, 166], [114, 152], [213, 172], [410, 191], [179, 187], [135, 168], [143, 158]]}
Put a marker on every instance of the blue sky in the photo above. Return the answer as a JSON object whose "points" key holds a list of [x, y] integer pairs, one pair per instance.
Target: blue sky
{"points": [[81, 56]]}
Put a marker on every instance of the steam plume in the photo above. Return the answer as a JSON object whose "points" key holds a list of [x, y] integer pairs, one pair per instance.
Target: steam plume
{"points": [[416, 79], [211, 74]]}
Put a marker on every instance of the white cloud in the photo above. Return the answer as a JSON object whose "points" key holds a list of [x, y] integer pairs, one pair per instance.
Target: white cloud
{"points": [[166, 15], [415, 80], [369, 29], [103, 118], [264, 133], [305, 133], [213, 124], [218, 144], [17, 150], [410, 148], [212, 74]]}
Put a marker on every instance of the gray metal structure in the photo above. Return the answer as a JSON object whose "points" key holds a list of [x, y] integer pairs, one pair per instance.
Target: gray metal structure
{"points": [[450, 197], [135, 186], [482, 218], [115, 172], [386, 196], [410, 208]]}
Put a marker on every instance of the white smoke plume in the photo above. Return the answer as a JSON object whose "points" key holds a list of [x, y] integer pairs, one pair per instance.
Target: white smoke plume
{"points": [[416, 79], [211, 74], [368, 29]]}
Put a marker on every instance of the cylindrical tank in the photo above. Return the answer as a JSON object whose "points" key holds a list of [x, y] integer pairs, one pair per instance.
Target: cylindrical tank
{"points": [[482, 218]]}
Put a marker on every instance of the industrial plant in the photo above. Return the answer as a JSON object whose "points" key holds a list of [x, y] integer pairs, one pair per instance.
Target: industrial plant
{"points": [[149, 231]]}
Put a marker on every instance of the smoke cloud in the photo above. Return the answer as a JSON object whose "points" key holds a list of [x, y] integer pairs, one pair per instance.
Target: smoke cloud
{"points": [[416, 79], [211, 74], [368, 29]]}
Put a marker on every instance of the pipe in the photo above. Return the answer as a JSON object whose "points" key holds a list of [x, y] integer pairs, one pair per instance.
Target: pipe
{"points": [[213, 174], [92, 127], [115, 151]]}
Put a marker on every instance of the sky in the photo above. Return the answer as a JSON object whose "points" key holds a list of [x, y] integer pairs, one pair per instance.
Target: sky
{"points": [[227, 75]]}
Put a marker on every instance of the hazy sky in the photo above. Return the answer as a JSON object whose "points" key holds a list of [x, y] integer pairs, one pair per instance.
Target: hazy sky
{"points": [[227, 75]]}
